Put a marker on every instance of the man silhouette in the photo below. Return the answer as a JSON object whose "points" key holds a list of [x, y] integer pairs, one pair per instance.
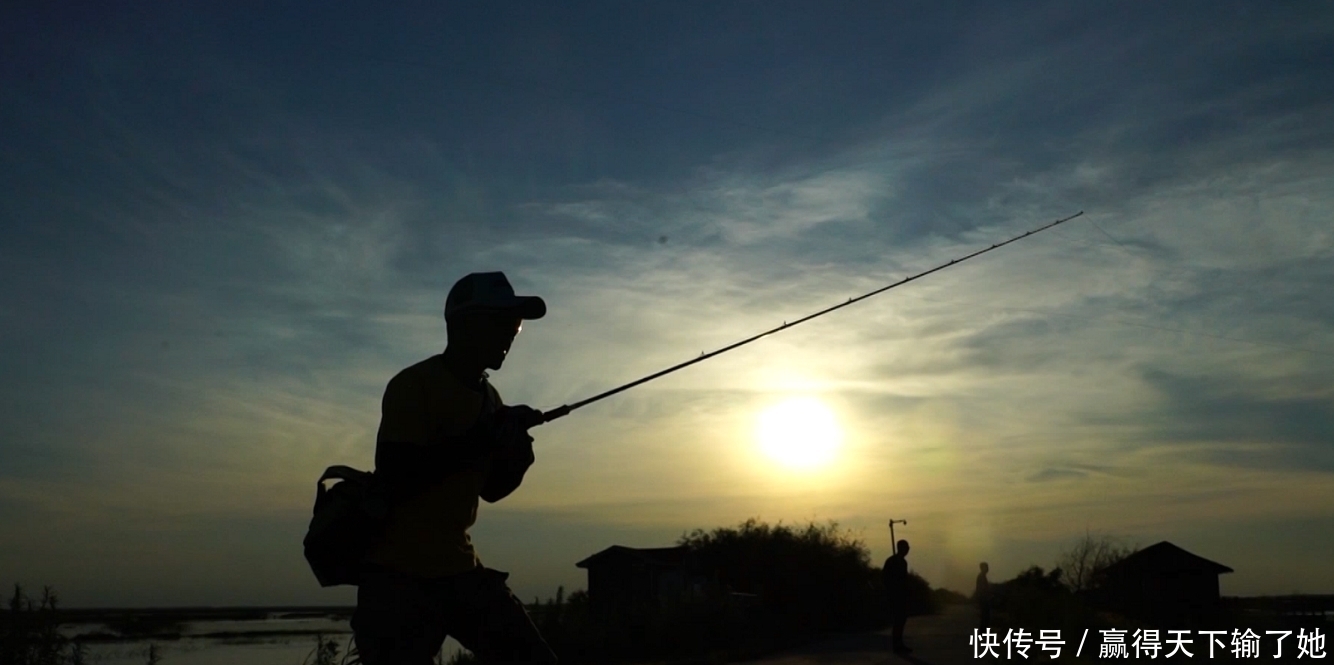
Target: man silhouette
{"points": [[982, 595], [445, 440], [895, 578]]}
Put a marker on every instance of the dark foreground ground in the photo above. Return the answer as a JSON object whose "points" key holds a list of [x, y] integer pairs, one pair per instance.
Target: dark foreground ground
{"points": [[940, 639]]}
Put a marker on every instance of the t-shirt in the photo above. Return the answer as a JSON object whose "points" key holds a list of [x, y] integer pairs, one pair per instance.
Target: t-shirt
{"points": [[427, 533], [983, 591], [895, 576]]}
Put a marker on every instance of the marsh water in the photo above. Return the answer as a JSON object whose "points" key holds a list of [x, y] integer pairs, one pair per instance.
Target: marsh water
{"points": [[264, 638]]}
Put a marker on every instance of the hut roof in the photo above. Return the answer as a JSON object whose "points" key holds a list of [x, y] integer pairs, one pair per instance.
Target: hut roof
{"points": [[665, 557], [1165, 557]]}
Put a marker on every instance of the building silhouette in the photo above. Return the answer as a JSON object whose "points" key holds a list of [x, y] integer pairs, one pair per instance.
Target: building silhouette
{"points": [[627, 580], [1164, 584]]}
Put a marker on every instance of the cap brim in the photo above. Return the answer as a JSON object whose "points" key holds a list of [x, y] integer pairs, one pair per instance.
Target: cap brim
{"points": [[530, 307]]}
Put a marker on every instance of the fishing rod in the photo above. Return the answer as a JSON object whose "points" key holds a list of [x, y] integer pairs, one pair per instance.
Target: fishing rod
{"points": [[562, 411]]}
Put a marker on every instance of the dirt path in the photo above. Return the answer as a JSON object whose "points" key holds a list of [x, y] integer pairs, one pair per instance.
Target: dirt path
{"points": [[940, 639]]}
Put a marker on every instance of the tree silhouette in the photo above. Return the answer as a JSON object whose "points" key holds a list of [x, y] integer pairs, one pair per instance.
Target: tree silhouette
{"points": [[1084, 562]]}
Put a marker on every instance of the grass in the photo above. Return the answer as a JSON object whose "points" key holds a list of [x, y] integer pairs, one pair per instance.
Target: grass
{"points": [[30, 633]]}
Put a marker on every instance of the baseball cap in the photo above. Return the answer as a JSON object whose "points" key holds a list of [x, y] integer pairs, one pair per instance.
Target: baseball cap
{"points": [[491, 291]]}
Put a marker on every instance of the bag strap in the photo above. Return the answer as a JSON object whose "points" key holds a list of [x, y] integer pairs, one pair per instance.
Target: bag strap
{"points": [[341, 472]]}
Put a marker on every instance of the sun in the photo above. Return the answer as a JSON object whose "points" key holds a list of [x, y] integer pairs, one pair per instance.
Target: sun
{"points": [[799, 433]]}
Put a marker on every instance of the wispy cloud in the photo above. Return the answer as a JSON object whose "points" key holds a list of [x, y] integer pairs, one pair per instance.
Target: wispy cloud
{"points": [[206, 292]]}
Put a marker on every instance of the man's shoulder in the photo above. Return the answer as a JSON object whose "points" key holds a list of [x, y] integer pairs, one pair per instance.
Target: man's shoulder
{"points": [[410, 372], [431, 379], [428, 373], [421, 378], [423, 367]]}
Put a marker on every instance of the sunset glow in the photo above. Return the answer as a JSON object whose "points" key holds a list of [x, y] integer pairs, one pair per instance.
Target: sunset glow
{"points": [[799, 433], [227, 228]]}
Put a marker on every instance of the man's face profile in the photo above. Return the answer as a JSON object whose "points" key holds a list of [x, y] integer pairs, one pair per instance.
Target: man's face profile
{"points": [[489, 335]]}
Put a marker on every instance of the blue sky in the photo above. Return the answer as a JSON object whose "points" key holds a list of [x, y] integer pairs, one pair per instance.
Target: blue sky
{"points": [[226, 227]]}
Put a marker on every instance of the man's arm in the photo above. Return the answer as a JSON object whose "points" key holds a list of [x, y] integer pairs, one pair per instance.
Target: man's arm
{"points": [[513, 452], [508, 467]]}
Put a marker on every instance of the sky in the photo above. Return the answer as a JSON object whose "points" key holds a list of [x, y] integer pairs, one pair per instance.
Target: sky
{"points": [[225, 226]]}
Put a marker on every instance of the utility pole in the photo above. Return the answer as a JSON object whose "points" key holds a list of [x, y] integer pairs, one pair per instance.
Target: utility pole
{"points": [[894, 544]]}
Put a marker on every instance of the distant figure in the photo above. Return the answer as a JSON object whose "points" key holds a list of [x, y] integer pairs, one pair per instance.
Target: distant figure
{"points": [[982, 595], [895, 577], [445, 440]]}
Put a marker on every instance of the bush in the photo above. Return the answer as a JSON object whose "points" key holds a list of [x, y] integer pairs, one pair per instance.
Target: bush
{"points": [[920, 598], [808, 579], [1041, 600]]}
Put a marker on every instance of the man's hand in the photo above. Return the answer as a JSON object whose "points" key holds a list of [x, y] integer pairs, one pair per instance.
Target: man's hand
{"points": [[513, 452], [512, 438], [520, 415]]}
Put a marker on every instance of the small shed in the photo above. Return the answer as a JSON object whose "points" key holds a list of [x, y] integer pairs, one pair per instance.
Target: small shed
{"points": [[631, 580], [1164, 583]]}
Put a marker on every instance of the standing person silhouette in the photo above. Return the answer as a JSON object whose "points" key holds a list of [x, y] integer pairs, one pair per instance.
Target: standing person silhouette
{"points": [[446, 440], [895, 578], [982, 595]]}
